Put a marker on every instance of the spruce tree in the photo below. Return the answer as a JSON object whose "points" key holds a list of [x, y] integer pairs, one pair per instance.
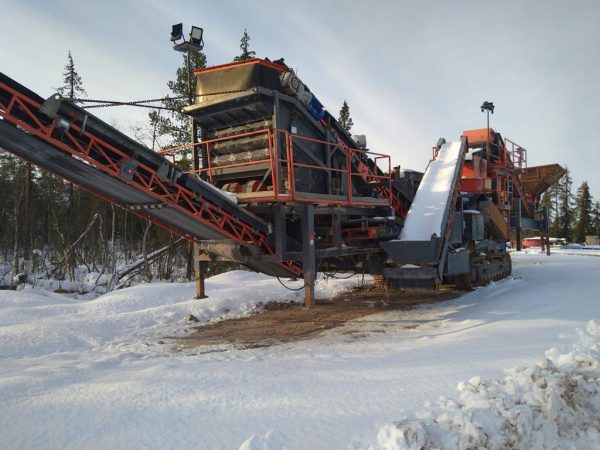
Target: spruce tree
{"points": [[565, 206], [245, 47], [73, 86], [583, 210], [344, 119]]}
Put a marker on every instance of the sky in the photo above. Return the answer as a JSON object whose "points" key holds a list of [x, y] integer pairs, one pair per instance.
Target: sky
{"points": [[411, 71]]}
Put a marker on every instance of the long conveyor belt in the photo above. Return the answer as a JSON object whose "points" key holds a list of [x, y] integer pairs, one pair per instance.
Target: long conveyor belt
{"points": [[77, 146]]}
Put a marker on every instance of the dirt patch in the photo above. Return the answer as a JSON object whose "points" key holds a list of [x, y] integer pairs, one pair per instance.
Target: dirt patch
{"points": [[284, 322]]}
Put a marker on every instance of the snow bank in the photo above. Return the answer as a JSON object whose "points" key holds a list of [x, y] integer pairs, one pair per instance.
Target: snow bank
{"points": [[555, 404], [269, 440]]}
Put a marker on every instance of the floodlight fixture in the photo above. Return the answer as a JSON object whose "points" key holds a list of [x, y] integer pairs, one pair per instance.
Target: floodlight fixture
{"points": [[194, 44], [487, 106], [196, 37], [177, 32]]}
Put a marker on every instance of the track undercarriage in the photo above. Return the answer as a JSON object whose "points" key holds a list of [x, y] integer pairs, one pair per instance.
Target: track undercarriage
{"points": [[483, 270]]}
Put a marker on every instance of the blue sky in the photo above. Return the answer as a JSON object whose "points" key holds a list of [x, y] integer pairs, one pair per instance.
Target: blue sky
{"points": [[410, 71]]}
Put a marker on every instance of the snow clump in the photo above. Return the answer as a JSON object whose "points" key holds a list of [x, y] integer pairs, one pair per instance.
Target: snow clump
{"points": [[555, 404]]}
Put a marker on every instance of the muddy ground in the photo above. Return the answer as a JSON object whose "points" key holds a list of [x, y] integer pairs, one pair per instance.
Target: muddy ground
{"points": [[285, 322]]}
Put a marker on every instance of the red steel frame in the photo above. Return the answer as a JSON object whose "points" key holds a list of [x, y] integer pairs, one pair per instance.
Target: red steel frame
{"points": [[109, 159], [240, 63], [507, 170], [510, 168], [289, 193]]}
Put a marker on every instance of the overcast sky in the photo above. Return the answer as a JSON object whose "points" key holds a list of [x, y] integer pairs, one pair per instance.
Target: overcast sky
{"points": [[410, 71]]}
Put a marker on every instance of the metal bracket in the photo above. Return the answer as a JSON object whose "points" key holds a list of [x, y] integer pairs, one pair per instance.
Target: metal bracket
{"points": [[128, 169]]}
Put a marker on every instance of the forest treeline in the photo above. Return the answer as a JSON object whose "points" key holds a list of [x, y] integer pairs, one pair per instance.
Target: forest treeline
{"points": [[573, 215], [52, 229]]}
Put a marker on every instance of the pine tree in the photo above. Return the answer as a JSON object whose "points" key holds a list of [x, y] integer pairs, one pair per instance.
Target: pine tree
{"points": [[245, 47], [583, 209], [176, 126], [344, 119], [73, 86], [565, 213]]}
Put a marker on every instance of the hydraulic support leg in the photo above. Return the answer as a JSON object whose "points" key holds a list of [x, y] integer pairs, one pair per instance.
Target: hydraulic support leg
{"points": [[309, 253]]}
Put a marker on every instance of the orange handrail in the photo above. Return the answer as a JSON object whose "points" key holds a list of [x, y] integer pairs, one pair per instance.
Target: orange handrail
{"points": [[286, 193]]}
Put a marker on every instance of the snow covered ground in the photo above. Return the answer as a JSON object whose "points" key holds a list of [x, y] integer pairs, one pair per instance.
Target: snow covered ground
{"points": [[592, 250], [93, 373]]}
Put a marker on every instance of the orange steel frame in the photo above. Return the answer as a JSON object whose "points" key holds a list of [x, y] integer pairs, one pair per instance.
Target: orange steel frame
{"points": [[507, 170], [23, 112], [289, 193], [240, 63]]}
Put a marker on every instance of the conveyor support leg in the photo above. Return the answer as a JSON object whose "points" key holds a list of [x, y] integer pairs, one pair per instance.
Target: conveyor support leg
{"points": [[200, 266]]}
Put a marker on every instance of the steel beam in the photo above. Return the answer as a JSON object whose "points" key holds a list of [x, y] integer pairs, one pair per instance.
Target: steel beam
{"points": [[309, 256]]}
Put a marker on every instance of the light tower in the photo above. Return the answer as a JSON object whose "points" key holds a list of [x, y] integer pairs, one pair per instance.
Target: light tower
{"points": [[193, 44]]}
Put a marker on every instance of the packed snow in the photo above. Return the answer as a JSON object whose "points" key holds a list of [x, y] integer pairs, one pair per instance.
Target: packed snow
{"points": [[554, 404], [35, 322], [426, 212], [96, 373]]}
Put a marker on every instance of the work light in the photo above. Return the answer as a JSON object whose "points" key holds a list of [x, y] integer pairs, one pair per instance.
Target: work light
{"points": [[196, 36], [177, 32]]}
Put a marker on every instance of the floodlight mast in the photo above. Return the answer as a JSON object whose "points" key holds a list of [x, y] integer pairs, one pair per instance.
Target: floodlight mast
{"points": [[194, 44], [488, 107]]}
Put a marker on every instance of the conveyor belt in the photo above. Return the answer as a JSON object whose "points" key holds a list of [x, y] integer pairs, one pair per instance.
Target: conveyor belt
{"points": [[77, 146], [429, 210], [421, 248]]}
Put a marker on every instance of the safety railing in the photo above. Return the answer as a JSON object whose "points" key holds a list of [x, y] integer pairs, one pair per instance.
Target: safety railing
{"points": [[282, 165], [517, 155]]}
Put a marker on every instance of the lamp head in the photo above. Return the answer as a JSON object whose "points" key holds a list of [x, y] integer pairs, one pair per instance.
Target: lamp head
{"points": [[177, 32], [196, 37], [487, 106]]}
